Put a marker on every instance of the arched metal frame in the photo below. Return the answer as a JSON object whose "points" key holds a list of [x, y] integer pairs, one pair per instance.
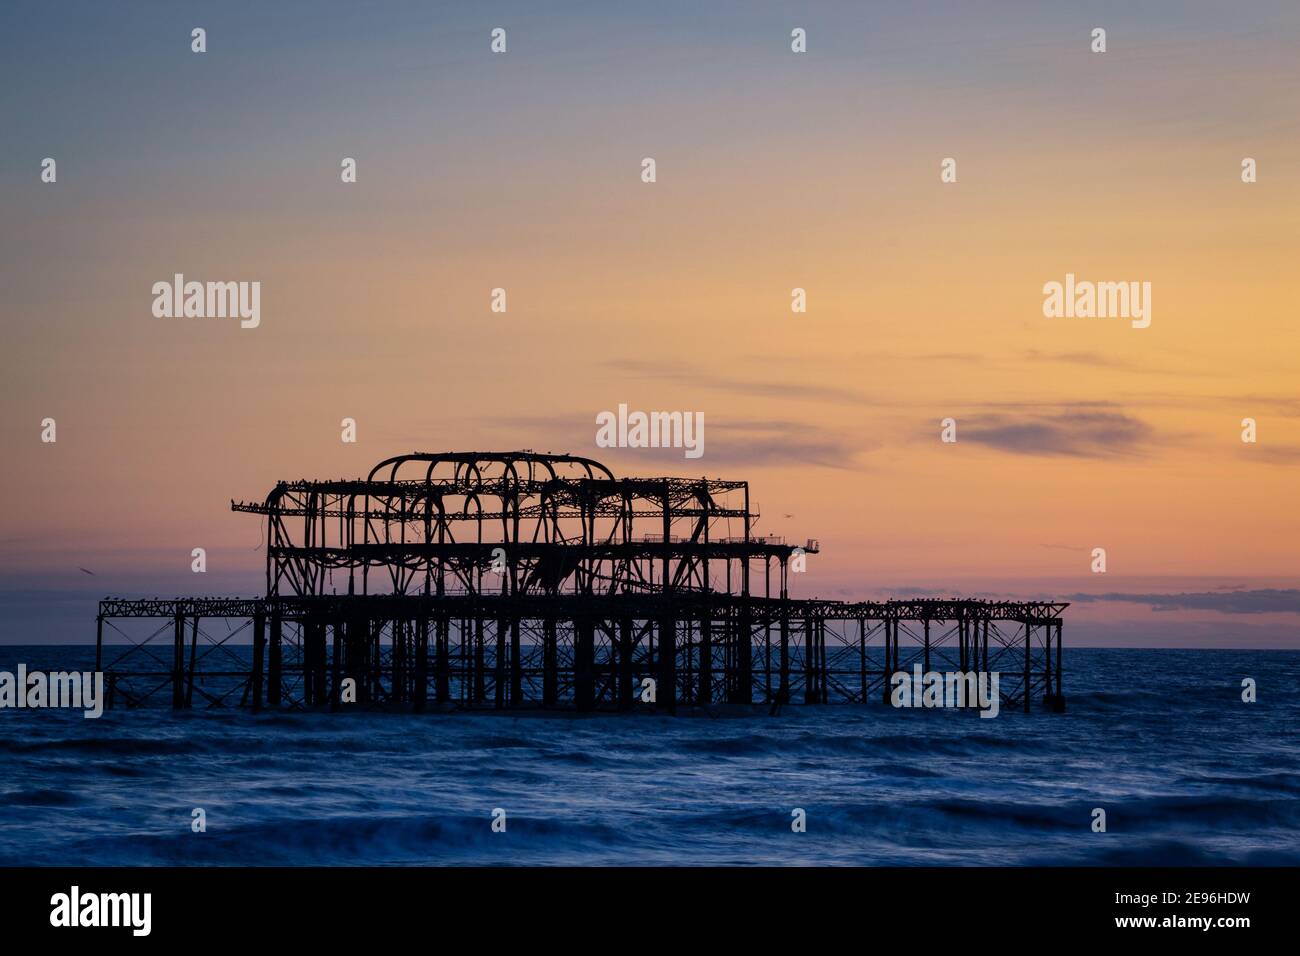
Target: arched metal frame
{"points": [[517, 579]]}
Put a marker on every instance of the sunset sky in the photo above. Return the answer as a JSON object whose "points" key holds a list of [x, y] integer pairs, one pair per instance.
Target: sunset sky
{"points": [[775, 170]]}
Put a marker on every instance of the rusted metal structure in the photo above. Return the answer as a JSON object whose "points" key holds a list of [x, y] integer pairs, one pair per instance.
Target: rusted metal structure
{"points": [[516, 580]]}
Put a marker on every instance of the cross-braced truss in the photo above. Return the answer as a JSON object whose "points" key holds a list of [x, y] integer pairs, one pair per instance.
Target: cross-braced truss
{"points": [[517, 579]]}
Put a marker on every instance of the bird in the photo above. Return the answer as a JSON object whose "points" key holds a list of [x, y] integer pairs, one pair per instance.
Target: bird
{"points": [[84, 571]]}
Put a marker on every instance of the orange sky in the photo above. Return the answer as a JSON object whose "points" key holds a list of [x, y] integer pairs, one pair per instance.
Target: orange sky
{"points": [[774, 171]]}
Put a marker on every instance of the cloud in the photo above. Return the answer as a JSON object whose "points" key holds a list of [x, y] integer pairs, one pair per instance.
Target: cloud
{"points": [[726, 445], [1094, 359], [1259, 601], [781, 443], [1078, 434], [749, 445], [1286, 406], [1276, 454], [1104, 361], [764, 386]]}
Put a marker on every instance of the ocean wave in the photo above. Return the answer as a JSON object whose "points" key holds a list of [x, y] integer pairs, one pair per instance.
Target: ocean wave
{"points": [[1280, 782], [350, 839], [1222, 811], [1184, 777], [40, 797]]}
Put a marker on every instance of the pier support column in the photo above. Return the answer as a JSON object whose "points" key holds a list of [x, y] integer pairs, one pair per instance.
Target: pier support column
{"points": [[819, 660], [310, 665], [550, 663], [886, 670], [705, 694], [1060, 694], [745, 657], [336, 665], [584, 674], [1047, 664], [178, 662], [400, 665], [273, 665], [767, 656], [625, 651], [666, 689], [984, 651], [1029, 633], [783, 676], [322, 684], [862, 658], [970, 652], [421, 688], [259, 645], [374, 647], [1053, 696], [356, 656], [194, 652], [809, 661], [516, 666], [466, 633], [926, 638], [441, 664], [499, 666], [480, 663]]}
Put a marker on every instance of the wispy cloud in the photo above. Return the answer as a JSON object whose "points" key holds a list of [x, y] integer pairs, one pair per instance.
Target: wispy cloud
{"points": [[1102, 360], [1285, 406], [781, 443], [1078, 434], [733, 445], [766, 385], [1276, 454], [728, 444], [1259, 601]]}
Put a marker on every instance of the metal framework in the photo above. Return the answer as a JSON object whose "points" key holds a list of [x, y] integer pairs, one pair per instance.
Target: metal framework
{"points": [[513, 580]]}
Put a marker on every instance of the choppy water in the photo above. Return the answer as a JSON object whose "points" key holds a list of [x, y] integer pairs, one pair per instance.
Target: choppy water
{"points": [[1187, 773]]}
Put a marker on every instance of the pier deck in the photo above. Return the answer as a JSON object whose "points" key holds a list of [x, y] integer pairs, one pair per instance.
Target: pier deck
{"points": [[524, 580]]}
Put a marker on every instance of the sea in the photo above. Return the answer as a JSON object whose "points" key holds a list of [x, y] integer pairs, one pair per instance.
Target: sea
{"points": [[1185, 770]]}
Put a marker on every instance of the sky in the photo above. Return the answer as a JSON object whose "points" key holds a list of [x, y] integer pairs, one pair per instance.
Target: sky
{"points": [[774, 171]]}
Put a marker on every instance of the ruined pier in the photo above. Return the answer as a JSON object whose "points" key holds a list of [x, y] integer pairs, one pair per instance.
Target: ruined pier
{"points": [[521, 580]]}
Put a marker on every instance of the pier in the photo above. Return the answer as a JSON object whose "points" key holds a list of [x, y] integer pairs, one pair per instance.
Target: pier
{"points": [[518, 580]]}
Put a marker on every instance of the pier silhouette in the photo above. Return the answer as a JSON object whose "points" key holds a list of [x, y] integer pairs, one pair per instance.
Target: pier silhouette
{"points": [[518, 580]]}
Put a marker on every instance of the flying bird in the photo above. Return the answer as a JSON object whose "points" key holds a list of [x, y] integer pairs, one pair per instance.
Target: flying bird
{"points": [[84, 571]]}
